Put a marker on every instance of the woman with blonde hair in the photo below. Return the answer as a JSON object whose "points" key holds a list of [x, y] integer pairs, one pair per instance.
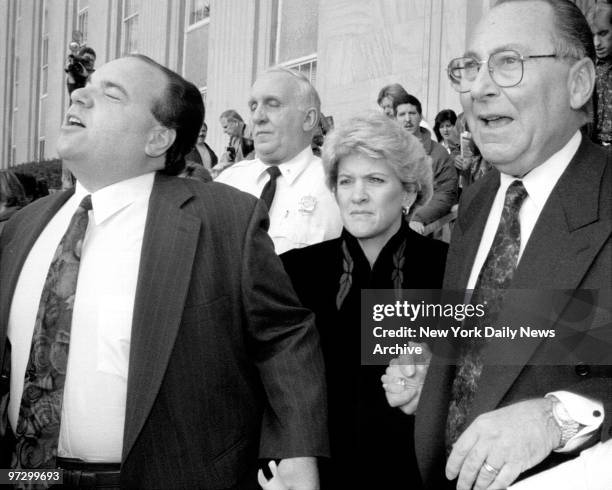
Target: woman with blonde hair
{"points": [[379, 174]]}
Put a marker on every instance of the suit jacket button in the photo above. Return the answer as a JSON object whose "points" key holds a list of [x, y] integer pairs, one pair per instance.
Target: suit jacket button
{"points": [[583, 370]]}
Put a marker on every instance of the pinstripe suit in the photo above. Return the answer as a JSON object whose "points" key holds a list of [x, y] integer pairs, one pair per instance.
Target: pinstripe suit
{"points": [[219, 342]]}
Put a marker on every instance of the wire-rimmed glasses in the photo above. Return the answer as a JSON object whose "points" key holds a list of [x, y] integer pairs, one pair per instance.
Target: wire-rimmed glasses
{"points": [[505, 67]]}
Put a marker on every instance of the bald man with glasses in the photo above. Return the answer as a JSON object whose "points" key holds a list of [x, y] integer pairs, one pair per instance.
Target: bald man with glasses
{"points": [[491, 411]]}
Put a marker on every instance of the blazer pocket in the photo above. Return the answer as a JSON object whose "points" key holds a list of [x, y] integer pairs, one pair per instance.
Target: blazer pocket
{"points": [[241, 441], [235, 456]]}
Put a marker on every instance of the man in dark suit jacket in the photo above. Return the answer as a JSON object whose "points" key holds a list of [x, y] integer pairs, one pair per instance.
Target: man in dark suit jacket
{"points": [[201, 153], [223, 365], [525, 83]]}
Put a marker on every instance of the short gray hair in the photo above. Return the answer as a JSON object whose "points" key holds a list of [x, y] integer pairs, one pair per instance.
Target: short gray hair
{"points": [[231, 114], [307, 95], [573, 37], [375, 136]]}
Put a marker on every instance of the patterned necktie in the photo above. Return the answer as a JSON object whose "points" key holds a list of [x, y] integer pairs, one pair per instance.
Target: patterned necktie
{"points": [[267, 194], [494, 278], [40, 412]]}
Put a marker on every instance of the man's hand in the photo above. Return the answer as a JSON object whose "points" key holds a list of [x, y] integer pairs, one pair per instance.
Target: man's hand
{"points": [[299, 473], [404, 378], [417, 226], [499, 445], [462, 162], [274, 483]]}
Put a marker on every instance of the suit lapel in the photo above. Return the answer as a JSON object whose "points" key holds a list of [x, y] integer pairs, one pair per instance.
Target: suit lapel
{"points": [[16, 250], [168, 250], [569, 232], [564, 243]]}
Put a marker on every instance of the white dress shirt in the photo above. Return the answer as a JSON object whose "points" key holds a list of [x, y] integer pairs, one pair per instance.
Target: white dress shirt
{"points": [[304, 211], [589, 471], [93, 409], [539, 184]]}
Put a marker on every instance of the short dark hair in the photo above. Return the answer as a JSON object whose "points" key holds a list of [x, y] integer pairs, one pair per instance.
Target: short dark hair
{"points": [[443, 116], [86, 50], [407, 99], [393, 91], [180, 108]]}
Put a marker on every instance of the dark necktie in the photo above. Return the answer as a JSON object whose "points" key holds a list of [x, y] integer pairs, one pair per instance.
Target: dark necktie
{"points": [[40, 412], [494, 278], [267, 194]]}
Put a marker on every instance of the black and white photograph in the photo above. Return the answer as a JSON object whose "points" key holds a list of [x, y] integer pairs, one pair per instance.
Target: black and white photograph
{"points": [[306, 244]]}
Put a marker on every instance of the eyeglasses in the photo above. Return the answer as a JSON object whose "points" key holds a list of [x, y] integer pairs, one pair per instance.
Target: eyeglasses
{"points": [[505, 67]]}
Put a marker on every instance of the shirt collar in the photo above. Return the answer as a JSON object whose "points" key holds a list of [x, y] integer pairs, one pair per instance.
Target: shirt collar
{"points": [[113, 198], [291, 169], [540, 182]]}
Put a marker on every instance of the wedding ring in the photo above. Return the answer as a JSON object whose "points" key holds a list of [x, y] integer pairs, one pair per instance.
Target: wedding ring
{"points": [[402, 382], [490, 469]]}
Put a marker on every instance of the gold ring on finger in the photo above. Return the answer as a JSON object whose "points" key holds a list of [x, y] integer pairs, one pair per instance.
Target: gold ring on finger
{"points": [[491, 469]]}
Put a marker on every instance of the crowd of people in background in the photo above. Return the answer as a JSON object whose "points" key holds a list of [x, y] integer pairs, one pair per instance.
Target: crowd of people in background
{"points": [[17, 190], [450, 131]]}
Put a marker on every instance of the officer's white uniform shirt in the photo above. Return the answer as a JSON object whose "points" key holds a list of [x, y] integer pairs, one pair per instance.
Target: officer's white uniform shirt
{"points": [[304, 210]]}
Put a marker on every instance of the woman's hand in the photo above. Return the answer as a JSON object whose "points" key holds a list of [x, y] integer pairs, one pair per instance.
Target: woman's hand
{"points": [[417, 226], [404, 378]]}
